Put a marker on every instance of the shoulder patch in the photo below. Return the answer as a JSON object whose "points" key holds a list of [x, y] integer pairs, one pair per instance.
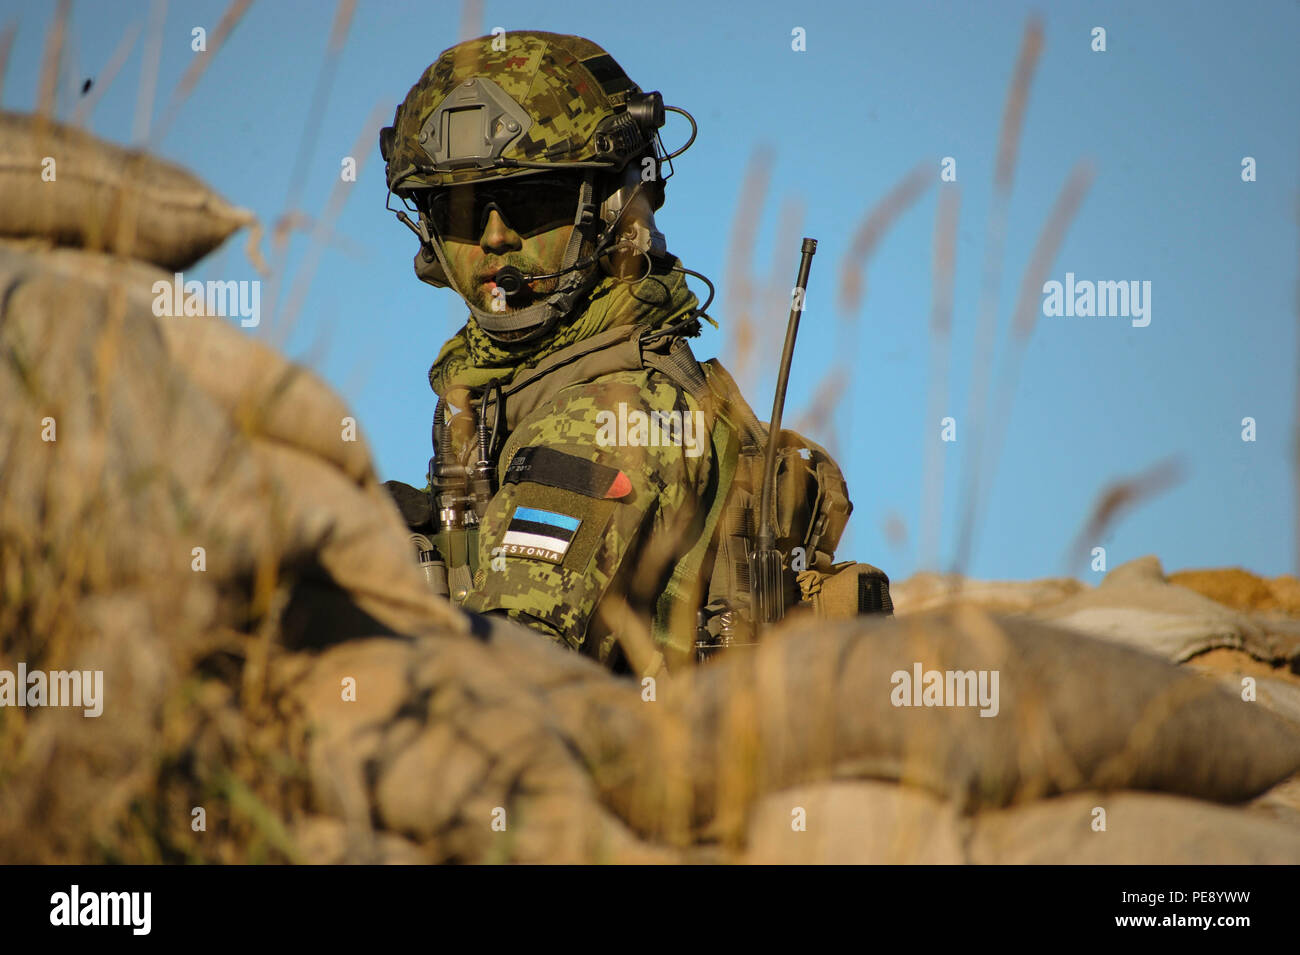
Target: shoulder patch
{"points": [[571, 526], [542, 465], [540, 534]]}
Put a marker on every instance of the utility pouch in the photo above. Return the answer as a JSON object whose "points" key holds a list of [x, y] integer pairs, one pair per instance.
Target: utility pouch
{"points": [[849, 589]]}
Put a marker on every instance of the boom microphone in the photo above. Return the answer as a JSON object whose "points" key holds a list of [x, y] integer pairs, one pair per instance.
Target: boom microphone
{"points": [[510, 280]]}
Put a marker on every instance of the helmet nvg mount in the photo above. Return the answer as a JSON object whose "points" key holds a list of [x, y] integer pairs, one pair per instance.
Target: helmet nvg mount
{"points": [[515, 105]]}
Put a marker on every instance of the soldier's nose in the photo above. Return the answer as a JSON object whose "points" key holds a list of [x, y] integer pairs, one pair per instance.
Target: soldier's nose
{"points": [[497, 236]]}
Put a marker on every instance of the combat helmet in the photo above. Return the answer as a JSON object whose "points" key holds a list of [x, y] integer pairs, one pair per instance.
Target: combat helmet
{"points": [[520, 104]]}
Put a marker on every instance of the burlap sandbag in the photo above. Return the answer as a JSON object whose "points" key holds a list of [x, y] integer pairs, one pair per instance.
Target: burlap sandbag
{"points": [[263, 392], [929, 591], [1135, 605], [1141, 829], [854, 823], [104, 197], [142, 445], [1273, 688], [1281, 803], [266, 394], [872, 823], [1072, 713], [444, 737]]}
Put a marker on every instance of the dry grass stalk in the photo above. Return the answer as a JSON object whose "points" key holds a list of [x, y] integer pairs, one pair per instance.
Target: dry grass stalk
{"points": [[53, 60], [872, 229], [471, 19], [1013, 116], [1046, 248], [824, 401], [1296, 428], [1118, 497], [942, 270], [293, 218], [283, 324], [229, 20], [635, 638], [6, 44], [853, 267], [1025, 316], [152, 58], [737, 277]]}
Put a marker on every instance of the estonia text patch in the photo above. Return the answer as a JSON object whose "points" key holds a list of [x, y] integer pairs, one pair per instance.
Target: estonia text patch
{"points": [[542, 535]]}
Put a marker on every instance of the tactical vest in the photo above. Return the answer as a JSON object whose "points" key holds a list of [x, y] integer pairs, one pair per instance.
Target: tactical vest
{"points": [[707, 602]]}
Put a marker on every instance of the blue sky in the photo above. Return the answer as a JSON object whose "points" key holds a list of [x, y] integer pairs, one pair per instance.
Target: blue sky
{"points": [[1165, 115]]}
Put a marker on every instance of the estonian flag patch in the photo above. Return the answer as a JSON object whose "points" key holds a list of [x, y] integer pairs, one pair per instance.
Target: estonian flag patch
{"points": [[541, 535]]}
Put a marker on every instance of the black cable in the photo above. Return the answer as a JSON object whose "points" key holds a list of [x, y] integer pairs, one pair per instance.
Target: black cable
{"points": [[695, 129], [703, 278], [693, 319]]}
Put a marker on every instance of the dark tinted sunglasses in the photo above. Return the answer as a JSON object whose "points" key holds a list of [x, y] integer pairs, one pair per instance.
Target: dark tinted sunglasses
{"points": [[530, 205]]}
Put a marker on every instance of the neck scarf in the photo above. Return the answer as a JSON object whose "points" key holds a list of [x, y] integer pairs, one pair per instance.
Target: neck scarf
{"points": [[471, 358]]}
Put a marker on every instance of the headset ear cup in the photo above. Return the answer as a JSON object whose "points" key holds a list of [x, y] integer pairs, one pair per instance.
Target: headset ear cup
{"points": [[428, 269]]}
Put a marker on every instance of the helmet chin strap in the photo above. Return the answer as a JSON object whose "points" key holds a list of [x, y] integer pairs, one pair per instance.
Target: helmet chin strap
{"points": [[541, 316]]}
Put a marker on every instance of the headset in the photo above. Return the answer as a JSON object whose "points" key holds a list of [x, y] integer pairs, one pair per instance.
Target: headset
{"points": [[472, 127]]}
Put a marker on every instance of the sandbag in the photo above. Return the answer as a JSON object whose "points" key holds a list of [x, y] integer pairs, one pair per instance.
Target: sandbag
{"points": [[66, 185], [854, 823], [929, 591], [1141, 829], [138, 443], [1281, 803], [1274, 688], [266, 394], [440, 735], [874, 823], [1071, 713], [1136, 606]]}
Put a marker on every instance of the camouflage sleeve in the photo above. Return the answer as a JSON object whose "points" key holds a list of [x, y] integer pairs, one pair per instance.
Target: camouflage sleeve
{"points": [[601, 494]]}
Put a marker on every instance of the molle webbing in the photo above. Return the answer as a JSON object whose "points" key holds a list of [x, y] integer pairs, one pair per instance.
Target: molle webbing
{"points": [[617, 349], [623, 349]]}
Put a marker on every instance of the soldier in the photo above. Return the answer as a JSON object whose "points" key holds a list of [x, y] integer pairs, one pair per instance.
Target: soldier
{"points": [[591, 479]]}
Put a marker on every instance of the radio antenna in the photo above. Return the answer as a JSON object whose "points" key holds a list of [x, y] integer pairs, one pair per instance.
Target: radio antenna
{"points": [[765, 570]]}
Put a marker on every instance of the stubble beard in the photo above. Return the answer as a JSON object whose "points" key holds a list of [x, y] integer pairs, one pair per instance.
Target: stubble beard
{"points": [[530, 294]]}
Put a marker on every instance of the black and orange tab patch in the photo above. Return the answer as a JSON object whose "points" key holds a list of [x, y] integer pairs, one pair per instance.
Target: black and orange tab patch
{"points": [[540, 465]]}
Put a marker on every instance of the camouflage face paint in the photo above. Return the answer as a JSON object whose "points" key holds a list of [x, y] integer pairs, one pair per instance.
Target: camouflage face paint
{"points": [[473, 263]]}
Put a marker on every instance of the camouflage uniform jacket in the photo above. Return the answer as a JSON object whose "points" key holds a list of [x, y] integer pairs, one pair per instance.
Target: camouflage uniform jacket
{"points": [[607, 483]]}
